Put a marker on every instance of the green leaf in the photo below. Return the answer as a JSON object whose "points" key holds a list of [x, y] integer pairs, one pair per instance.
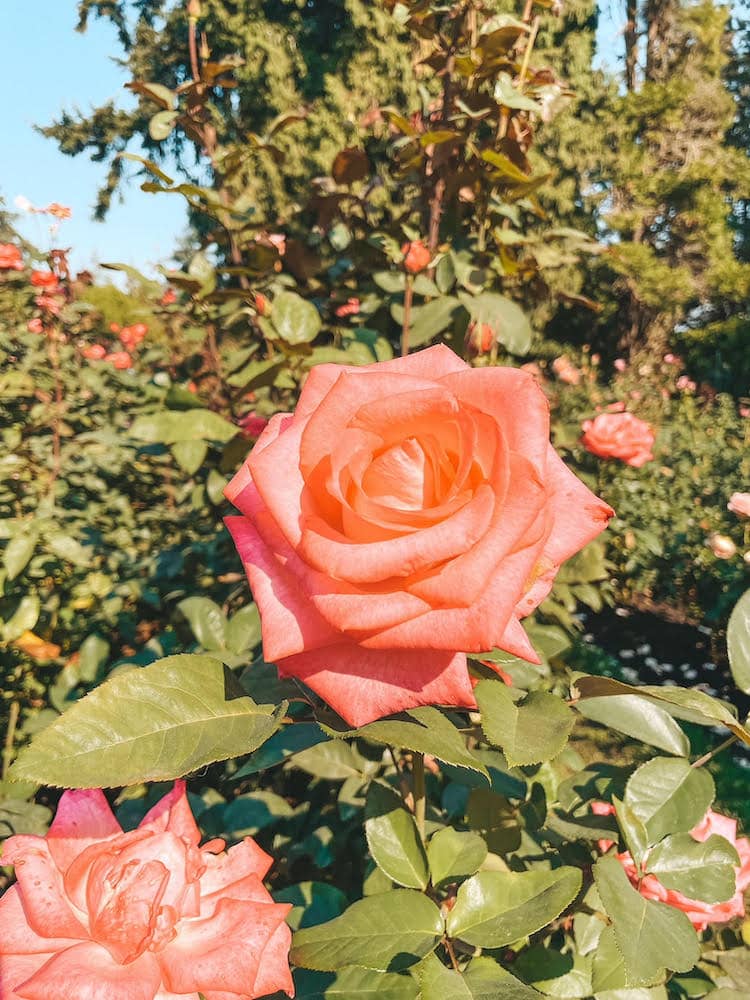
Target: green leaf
{"points": [[387, 932], [208, 622], [496, 908], [669, 796], [529, 733], [168, 427], [67, 548], [638, 718], [484, 979], [393, 838], [149, 724], [314, 903], [698, 869], [215, 485], [243, 631], [691, 705], [161, 124], [454, 855], [429, 320], [506, 93], [18, 551], [333, 761], [294, 319], [633, 830], [351, 983], [287, 742], [257, 373], [189, 455], [507, 319], [738, 642], [430, 733], [23, 619], [650, 936], [93, 654]]}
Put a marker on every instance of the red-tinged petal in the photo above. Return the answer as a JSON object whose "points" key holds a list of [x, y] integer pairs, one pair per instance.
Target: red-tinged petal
{"points": [[365, 684], [17, 936], [224, 951], [516, 401], [88, 972], [223, 870], [40, 884], [16, 970], [82, 818], [278, 423], [290, 622], [173, 814]]}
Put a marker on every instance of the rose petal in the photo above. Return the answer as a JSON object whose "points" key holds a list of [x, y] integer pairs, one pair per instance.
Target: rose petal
{"points": [[18, 938], [83, 817], [40, 884], [223, 870], [88, 972], [365, 684], [172, 813], [16, 970], [225, 951]]}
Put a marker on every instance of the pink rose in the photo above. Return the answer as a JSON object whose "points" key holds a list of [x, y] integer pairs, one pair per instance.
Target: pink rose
{"points": [[619, 435], [94, 352], [252, 425], [35, 325], [739, 503], [349, 308], [416, 256], [620, 364], [99, 914], [10, 258], [120, 360], [408, 512], [722, 546], [566, 371]]}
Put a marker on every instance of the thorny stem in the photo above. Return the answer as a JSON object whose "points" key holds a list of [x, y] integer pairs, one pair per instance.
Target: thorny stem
{"points": [[713, 753], [408, 296], [10, 736], [417, 777]]}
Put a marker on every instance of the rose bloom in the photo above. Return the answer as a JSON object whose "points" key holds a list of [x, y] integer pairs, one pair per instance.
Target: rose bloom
{"points": [[169, 297], [416, 256], [700, 913], [252, 425], [349, 308], [566, 371], [722, 546], [10, 258], [131, 336], [620, 364], [99, 914], [94, 352], [44, 279], [479, 338], [262, 304], [52, 303], [739, 503], [619, 435], [408, 512], [35, 325], [120, 359]]}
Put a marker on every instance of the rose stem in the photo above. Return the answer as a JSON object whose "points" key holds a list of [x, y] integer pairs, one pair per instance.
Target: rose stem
{"points": [[712, 753], [408, 293], [417, 777]]}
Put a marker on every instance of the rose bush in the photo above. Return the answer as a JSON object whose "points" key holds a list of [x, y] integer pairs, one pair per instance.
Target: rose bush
{"points": [[619, 435], [99, 914], [405, 514], [739, 504]]}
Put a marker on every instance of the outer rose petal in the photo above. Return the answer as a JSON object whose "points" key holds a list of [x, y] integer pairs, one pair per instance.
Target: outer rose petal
{"points": [[223, 870], [15, 970], [82, 818], [365, 684], [173, 814], [17, 936], [40, 886], [226, 950], [88, 972]]}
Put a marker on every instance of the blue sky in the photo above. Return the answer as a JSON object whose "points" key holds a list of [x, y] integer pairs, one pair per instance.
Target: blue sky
{"points": [[52, 67]]}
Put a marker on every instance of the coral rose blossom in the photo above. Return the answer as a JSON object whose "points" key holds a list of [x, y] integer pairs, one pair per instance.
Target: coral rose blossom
{"points": [[739, 504], [99, 914], [121, 360], [10, 258], [416, 256], [408, 512], [700, 913], [44, 279], [619, 435]]}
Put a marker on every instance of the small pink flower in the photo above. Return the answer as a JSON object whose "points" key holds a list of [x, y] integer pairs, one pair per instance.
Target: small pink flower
{"points": [[620, 364], [349, 308], [51, 303], [566, 371], [94, 352], [739, 503], [252, 425], [744, 411], [479, 338], [10, 258], [120, 360], [416, 256], [619, 435], [44, 279], [59, 211], [168, 298], [685, 384], [144, 915], [279, 241], [722, 546], [35, 325], [131, 336]]}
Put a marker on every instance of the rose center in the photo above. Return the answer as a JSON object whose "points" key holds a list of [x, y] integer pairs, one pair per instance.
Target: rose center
{"points": [[401, 477]]}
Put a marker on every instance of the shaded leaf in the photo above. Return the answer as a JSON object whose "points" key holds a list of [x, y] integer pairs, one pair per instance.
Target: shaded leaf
{"points": [[393, 839], [454, 855], [698, 869], [533, 731], [669, 796], [738, 642]]}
